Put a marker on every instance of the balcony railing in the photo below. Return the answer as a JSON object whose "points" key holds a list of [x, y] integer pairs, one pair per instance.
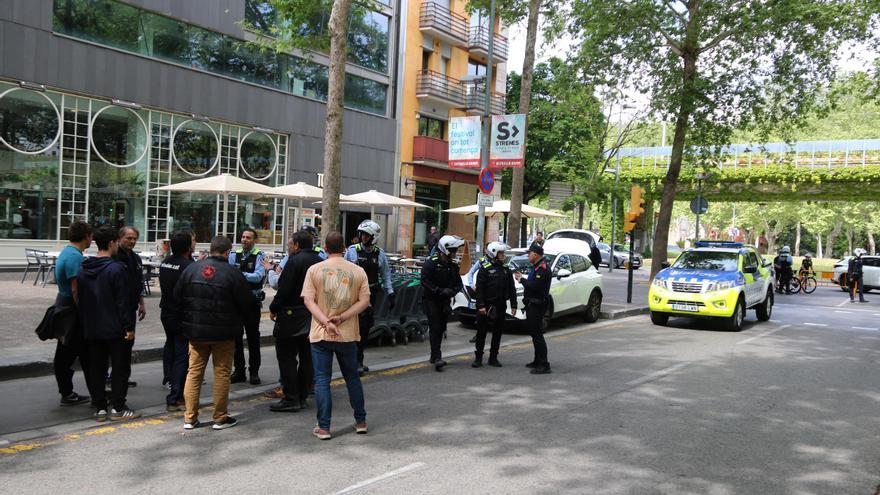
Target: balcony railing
{"points": [[478, 42], [438, 86], [443, 23], [428, 149], [475, 102]]}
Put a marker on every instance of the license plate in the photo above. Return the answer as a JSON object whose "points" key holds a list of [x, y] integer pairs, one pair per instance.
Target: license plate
{"points": [[686, 307], [472, 305]]}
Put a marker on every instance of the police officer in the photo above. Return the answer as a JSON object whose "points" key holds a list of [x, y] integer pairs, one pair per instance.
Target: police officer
{"points": [[249, 259], [856, 274], [441, 281], [536, 297], [783, 264], [494, 288], [372, 259], [316, 239]]}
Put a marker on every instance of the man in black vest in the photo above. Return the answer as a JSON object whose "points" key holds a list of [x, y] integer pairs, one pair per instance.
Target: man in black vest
{"points": [[249, 259], [441, 281], [292, 324], [372, 259], [536, 296], [494, 288], [856, 273], [176, 356]]}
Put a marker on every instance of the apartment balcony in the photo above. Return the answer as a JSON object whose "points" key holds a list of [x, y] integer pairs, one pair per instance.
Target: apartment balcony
{"points": [[430, 150], [475, 102], [443, 24], [478, 44], [440, 89]]}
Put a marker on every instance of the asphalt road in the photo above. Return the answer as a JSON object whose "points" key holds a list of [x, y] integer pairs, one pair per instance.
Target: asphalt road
{"points": [[787, 406]]}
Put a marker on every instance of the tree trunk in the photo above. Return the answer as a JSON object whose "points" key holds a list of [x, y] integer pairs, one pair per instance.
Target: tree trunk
{"points": [[525, 98], [849, 241], [335, 109], [831, 236], [689, 53], [872, 246], [797, 240], [580, 208], [819, 253]]}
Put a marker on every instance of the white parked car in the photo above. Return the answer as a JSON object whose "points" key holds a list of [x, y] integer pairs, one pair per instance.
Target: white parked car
{"points": [[587, 236], [576, 287], [870, 267]]}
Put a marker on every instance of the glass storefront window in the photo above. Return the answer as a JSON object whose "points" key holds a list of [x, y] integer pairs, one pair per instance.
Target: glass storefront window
{"points": [[196, 212], [117, 195], [119, 136], [29, 120], [126, 27], [435, 196], [28, 194], [257, 156], [195, 148]]}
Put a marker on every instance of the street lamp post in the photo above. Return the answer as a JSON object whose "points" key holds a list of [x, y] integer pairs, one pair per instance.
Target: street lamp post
{"points": [[616, 172], [700, 178], [487, 125]]}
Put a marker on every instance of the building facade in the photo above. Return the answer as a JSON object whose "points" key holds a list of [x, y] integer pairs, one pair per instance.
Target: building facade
{"points": [[101, 101], [443, 74]]}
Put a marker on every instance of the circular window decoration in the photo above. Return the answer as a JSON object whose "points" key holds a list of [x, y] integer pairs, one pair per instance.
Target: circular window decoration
{"points": [[195, 148], [258, 155], [29, 121], [118, 136]]}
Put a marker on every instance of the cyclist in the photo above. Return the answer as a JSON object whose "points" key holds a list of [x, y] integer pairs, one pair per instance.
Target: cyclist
{"points": [[806, 267]]}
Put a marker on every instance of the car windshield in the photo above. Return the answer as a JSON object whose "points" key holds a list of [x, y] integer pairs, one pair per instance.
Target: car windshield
{"points": [[521, 263], [707, 260]]}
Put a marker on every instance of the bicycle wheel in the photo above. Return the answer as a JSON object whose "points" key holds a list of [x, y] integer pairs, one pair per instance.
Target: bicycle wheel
{"points": [[794, 286], [809, 285]]}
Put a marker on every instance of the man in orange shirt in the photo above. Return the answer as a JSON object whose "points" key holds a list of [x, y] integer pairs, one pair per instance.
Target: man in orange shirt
{"points": [[335, 291]]}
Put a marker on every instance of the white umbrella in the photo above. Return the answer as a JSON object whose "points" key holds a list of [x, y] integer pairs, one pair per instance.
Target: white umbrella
{"points": [[375, 198], [224, 184], [503, 206]]}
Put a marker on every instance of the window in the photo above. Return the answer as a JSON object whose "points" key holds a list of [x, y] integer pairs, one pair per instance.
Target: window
{"points": [[28, 194], [750, 260], [426, 60], [579, 263], [444, 66], [563, 263], [29, 120], [476, 69], [119, 136], [432, 127], [435, 196], [125, 27], [707, 260], [195, 148], [257, 156]]}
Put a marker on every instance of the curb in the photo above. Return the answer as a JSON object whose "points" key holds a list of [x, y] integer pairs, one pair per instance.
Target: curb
{"points": [[33, 369]]}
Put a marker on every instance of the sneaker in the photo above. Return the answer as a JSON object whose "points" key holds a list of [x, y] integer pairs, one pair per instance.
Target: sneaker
{"points": [[229, 422], [192, 426], [255, 379], [237, 377], [541, 370], [531, 365], [177, 407], [473, 340], [363, 370], [101, 415], [361, 428], [123, 414], [275, 393], [478, 363], [495, 363], [132, 384], [439, 364], [321, 433], [74, 399], [285, 406]]}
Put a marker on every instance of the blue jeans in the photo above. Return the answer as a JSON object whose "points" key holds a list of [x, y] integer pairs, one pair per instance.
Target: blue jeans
{"points": [[322, 360], [177, 349]]}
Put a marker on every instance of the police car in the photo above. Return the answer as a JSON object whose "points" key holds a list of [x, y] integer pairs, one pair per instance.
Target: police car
{"points": [[714, 279], [576, 286]]}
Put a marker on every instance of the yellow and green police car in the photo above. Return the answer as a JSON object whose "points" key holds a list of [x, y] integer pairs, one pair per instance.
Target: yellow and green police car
{"points": [[714, 279]]}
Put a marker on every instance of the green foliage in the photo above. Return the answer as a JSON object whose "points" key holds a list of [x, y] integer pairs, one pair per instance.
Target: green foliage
{"points": [[564, 124]]}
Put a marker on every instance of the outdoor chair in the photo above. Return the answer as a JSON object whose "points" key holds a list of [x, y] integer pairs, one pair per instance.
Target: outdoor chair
{"points": [[30, 255], [46, 266]]}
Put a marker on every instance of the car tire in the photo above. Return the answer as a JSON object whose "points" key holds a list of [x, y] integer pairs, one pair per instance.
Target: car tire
{"points": [[659, 319], [616, 264], [735, 321], [764, 310], [594, 307]]}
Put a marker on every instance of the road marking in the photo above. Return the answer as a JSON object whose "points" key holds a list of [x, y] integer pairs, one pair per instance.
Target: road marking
{"points": [[844, 303], [843, 312], [816, 324], [775, 321], [768, 332], [378, 479], [656, 374], [866, 328]]}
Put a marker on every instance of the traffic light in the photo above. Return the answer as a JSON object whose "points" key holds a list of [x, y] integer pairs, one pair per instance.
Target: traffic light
{"points": [[629, 221]]}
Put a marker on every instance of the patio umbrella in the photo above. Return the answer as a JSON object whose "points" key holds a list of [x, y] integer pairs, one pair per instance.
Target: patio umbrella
{"points": [[375, 198], [504, 207], [224, 184]]}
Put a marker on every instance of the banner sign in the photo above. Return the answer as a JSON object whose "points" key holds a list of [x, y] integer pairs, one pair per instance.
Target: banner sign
{"points": [[464, 142], [508, 148]]}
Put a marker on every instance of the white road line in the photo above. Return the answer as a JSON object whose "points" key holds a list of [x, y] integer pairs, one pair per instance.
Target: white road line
{"points": [[844, 303], [866, 328], [816, 324], [656, 374], [383, 477], [775, 321], [843, 312], [768, 332]]}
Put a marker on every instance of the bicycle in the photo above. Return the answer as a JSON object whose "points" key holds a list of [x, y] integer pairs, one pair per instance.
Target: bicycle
{"points": [[805, 282]]}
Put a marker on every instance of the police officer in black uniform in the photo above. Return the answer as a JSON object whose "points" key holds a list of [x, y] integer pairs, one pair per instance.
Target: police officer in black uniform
{"points": [[441, 281], [372, 259], [494, 288], [536, 297], [856, 274], [249, 259]]}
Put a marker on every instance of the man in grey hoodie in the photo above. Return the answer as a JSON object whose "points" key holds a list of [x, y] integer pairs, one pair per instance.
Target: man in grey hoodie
{"points": [[108, 325]]}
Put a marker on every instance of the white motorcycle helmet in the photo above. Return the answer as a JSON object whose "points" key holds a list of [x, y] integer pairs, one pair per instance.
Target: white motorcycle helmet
{"points": [[370, 228], [494, 248], [449, 242], [859, 252]]}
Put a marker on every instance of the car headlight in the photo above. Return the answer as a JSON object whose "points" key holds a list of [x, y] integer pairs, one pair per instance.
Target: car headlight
{"points": [[659, 283], [722, 285]]}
